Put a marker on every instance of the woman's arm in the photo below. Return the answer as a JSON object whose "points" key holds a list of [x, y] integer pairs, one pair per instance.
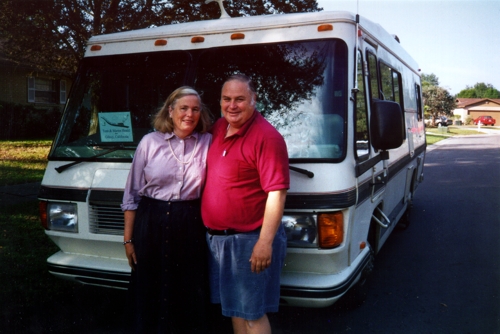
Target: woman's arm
{"points": [[129, 217]]}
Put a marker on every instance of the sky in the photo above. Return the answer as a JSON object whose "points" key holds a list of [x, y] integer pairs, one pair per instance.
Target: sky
{"points": [[457, 40]]}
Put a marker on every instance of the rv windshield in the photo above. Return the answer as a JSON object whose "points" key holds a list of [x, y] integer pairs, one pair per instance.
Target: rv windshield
{"points": [[302, 91]]}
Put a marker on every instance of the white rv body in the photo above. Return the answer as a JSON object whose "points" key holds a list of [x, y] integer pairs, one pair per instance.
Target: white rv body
{"points": [[341, 174]]}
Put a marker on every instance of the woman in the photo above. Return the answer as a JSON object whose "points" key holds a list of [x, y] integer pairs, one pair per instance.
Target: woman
{"points": [[164, 236]]}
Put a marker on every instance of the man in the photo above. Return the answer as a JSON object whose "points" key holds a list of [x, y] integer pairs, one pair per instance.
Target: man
{"points": [[242, 206]]}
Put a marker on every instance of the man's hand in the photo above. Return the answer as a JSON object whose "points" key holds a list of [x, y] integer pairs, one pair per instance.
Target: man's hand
{"points": [[263, 249], [261, 256]]}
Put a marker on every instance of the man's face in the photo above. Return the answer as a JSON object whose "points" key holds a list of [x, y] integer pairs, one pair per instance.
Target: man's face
{"points": [[237, 103]]}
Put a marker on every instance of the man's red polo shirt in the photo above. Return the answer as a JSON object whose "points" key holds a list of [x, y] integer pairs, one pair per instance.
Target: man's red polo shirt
{"points": [[242, 169]]}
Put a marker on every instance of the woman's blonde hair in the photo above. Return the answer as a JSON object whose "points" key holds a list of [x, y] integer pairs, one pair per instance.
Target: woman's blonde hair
{"points": [[163, 122]]}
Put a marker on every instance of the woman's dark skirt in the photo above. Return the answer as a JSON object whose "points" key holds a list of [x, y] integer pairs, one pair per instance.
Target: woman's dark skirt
{"points": [[169, 286]]}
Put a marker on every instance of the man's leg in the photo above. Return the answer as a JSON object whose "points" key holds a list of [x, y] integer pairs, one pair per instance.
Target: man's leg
{"points": [[259, 326]]}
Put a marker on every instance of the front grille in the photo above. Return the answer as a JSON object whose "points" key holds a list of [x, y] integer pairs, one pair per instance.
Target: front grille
{"points": [[105, 213], [106, 219]]}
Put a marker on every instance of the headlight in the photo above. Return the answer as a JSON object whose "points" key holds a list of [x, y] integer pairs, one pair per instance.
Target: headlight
{"points": [[300, 230], [324, 230], [62, 217]]}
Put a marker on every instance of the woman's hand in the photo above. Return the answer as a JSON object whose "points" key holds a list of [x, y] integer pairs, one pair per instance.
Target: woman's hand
{"points": [[129, 218], [130, 252]]}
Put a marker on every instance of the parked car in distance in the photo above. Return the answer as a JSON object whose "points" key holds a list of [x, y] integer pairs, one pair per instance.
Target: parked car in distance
{"points": [[443, 121], [440, 121], [485, 120]]}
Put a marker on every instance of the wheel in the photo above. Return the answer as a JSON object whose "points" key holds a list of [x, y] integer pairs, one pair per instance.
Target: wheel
{"points": [[405, 220], [358, 292]]}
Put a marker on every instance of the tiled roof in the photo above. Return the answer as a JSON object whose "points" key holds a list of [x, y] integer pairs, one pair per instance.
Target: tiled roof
{"points": [[463, 102]]}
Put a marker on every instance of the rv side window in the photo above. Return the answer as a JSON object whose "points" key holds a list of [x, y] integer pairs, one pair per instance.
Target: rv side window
{"points": [[419, 102], [373, 75], [362, 137], [390, 84]]}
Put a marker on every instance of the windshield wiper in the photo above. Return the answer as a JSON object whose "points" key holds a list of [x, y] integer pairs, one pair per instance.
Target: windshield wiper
{"points": [[302, 171], [62, 168]]}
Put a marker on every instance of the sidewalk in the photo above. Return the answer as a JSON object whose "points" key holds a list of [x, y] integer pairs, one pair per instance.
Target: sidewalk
{"points": [[18, 193]]}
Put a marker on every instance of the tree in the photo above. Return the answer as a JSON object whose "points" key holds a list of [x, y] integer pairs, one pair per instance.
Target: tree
{"points": [[480, 90], [438, 102], [429, 80], [50, 35]]}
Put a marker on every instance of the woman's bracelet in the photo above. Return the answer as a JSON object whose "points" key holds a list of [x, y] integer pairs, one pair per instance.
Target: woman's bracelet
{"points": [[128, 241]]}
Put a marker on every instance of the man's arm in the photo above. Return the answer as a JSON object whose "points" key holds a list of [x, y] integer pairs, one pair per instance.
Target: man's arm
{"points": [[263, 249]]}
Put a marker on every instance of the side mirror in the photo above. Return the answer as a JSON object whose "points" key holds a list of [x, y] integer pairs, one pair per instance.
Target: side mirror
{"points": [[386, 125]]}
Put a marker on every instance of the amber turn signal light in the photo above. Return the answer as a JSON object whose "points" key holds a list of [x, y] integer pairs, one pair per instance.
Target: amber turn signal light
{"points": [[330, 229], [42, 206]]}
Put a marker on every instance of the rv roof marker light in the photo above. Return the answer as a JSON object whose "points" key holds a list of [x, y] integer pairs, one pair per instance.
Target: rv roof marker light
{"points": [[362, 245], [160, 42], [197, 39], [237, 36], [360, 33], [95, 48], [325, 27]]}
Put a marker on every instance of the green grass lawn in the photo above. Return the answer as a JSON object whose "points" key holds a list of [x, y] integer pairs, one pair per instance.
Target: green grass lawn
{"points": [[431, 139], [31, 299], [23, 161], [433, 135], [34, 301]]}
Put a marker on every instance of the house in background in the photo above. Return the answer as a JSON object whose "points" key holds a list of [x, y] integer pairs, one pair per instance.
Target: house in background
{"points": [[24, 85], [31, 101], [477, 107]]}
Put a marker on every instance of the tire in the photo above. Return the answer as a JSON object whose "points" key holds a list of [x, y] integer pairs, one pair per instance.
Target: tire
{"points": [[357, 294], [405, 219]]}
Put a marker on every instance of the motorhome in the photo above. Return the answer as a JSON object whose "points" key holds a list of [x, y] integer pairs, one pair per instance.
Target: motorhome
{"points": [[340, 89]]}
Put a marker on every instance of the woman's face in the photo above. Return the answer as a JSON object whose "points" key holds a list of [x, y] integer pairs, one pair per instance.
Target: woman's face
{"points": [[185, 114]]}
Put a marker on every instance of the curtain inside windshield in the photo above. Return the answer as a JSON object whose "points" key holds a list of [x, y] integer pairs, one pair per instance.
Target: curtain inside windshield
{"points": [[301, 90]]}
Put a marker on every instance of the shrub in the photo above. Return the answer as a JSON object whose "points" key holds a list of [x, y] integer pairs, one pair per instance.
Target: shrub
{"points": [[27, 122]]}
